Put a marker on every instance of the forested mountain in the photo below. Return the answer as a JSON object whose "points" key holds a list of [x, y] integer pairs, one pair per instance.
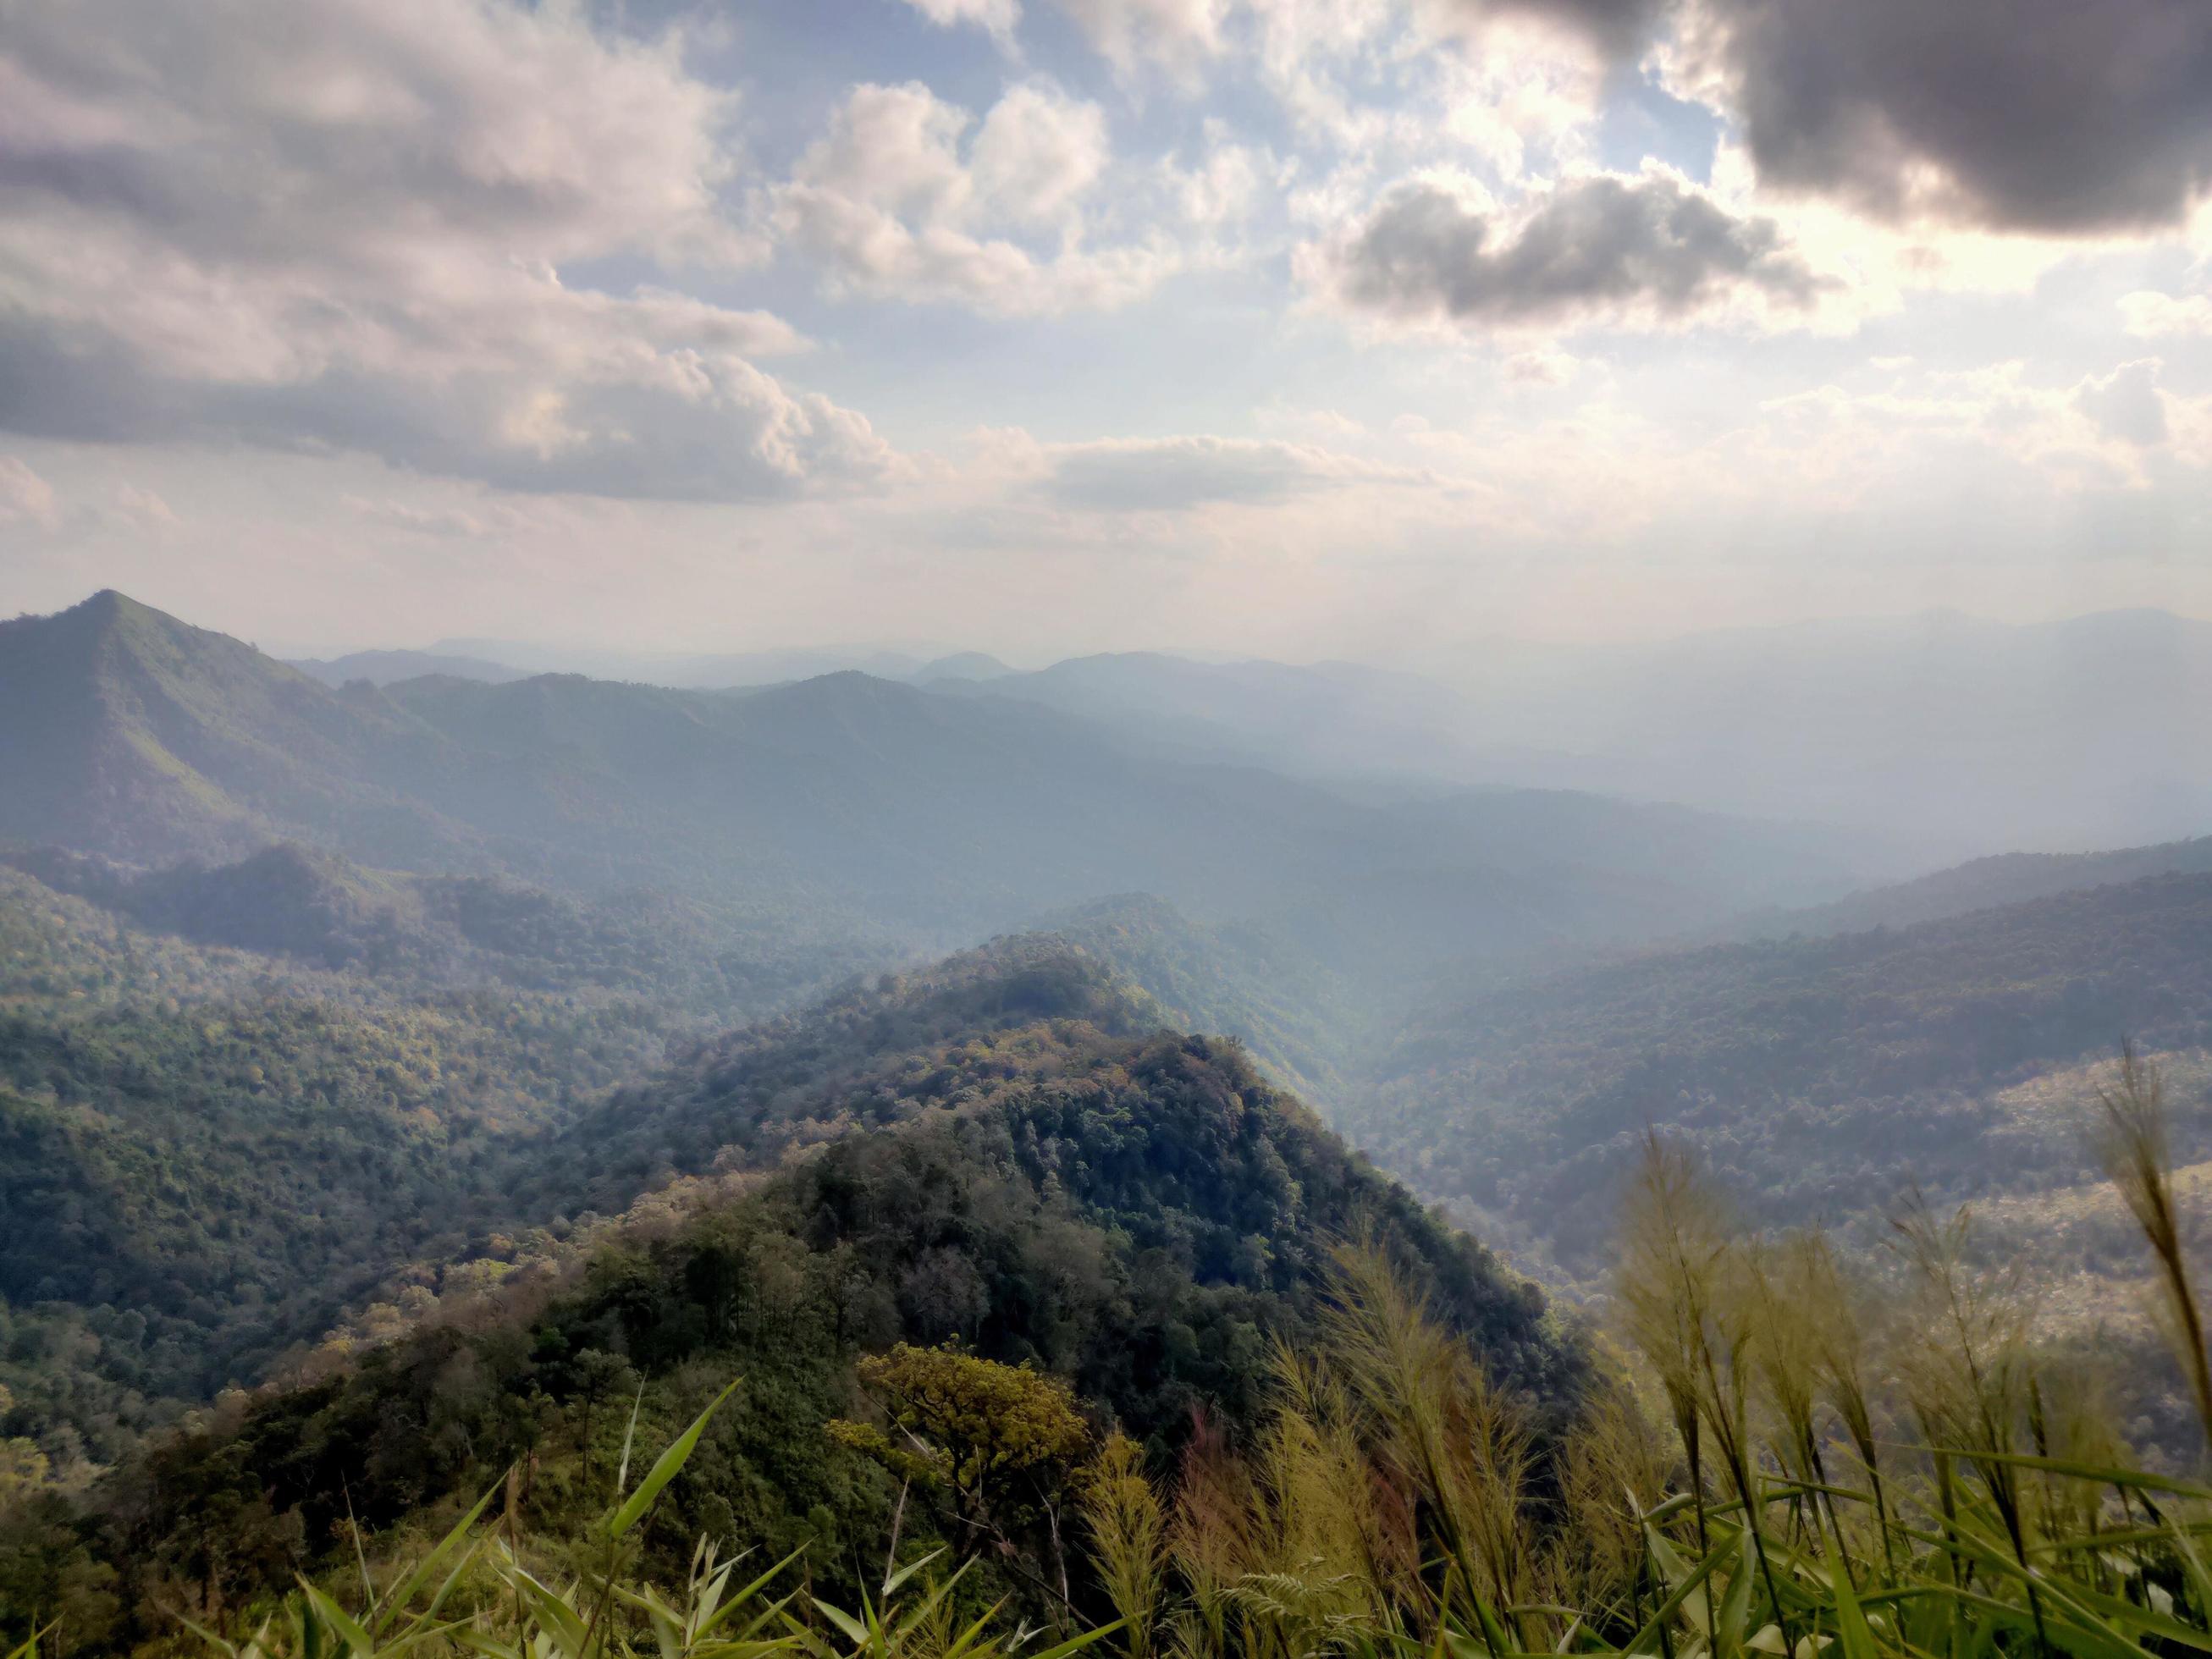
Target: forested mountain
{"points": [[833, 808], [235, 1100], [689, 955], [451, 1051], [385, 667], [1043, 1175], [2000, 879], [207, 1153], [1822, 1076]]}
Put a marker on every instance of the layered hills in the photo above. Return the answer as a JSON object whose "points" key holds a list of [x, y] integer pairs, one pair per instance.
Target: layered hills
{"points": [[834, 807]]}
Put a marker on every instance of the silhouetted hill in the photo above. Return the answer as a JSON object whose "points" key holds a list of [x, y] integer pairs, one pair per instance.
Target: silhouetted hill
{"points": [[2003, 878], [386, 667]]}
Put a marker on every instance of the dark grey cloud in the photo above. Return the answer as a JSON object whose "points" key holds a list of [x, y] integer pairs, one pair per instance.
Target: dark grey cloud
{"points": [[1618, 26], [2058, 116], [1592, 246], [2063, 116]]}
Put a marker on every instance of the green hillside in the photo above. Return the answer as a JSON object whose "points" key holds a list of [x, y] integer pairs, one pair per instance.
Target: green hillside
{"points": [[1044, 1177], [1821, 1077], [209, 1152]]}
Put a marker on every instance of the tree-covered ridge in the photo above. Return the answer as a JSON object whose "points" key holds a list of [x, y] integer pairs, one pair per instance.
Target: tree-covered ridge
{"points": [[1819, 1076], [1049, 1036], [1048, 1183], [217, 1155], [210, 1152], [1985, 883], [410, 931], [1302, 1020]]}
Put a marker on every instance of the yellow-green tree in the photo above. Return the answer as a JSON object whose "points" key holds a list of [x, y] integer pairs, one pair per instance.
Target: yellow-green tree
{"points": [[998, 1441]]}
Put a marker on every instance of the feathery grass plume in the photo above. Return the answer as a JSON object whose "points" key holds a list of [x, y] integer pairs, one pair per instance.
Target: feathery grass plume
{"points": [[1965, 1371], [1211, 1541], [1786, 1360], [1128, 1537], [2130, 1139], [1442, 1426], [1787, 1356], [1846, 1333], [1614, 1466], [1732, 1338], [1327, 1520], [2070, 1422], [1673, 1251]]}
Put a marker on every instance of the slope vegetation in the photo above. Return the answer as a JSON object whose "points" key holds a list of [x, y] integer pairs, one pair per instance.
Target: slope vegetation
{"points": [[1822, 1078], [1047, 1179]]}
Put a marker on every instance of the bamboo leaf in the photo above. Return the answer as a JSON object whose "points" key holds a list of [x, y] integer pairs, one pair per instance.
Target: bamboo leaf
{"points": [[339, 1620], [670, 1462], [851, 1628]]}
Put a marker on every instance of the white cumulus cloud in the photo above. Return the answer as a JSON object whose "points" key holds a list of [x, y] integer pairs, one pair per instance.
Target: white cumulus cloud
{"points": [[342, 225]]}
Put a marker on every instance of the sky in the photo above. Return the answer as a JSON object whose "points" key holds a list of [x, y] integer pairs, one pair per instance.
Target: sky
{"points": [[1303, 328]]}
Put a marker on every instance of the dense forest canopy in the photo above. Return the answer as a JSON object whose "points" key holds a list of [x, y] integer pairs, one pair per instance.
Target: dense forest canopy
{"points": [[1003, 1153]]}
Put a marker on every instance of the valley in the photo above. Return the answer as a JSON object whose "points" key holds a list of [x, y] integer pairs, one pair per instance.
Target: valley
{"points": [[394, 1068]]}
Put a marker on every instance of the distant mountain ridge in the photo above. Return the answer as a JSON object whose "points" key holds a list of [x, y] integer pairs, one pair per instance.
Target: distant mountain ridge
{"points": [[1983, 883], [1949, 734], [1823, 1076], [838, 805], [384, 667]]}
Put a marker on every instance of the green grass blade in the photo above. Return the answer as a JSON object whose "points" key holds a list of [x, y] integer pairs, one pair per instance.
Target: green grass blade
{"points": [[1076, 1645], [2103, 1473], [339, 1620], [406, 1591], [670, 1462], [891, 1584], [847, 1626], [743, 1597], [1646, 1640]]}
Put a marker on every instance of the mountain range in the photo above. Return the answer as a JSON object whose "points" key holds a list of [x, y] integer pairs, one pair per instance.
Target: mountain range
{"points": [[428, 1055], [1949, 735], [842, 805]]}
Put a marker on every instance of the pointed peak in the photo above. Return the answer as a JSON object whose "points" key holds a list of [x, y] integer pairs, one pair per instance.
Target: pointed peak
{"points": [[109, 611], [110, 602]]}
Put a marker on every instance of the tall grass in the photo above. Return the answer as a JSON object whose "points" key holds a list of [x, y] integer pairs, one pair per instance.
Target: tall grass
{"points": [[1780, 1458]]}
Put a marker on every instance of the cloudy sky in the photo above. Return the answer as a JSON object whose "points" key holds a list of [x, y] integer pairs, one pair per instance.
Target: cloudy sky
{"points": [[1306, 327]]}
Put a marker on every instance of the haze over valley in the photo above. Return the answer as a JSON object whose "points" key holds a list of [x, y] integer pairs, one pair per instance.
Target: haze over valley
{"points": [[530, 891], [1105, 828]]}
